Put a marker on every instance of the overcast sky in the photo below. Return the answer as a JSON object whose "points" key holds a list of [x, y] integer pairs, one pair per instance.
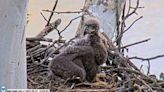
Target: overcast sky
{"points": [[151, 26]]}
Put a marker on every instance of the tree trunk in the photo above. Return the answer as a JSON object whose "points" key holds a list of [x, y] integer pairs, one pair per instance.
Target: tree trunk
{"points": [[12, 43], [107, 12]]}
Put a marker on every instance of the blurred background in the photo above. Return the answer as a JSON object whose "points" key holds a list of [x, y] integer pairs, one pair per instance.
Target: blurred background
{"points": [[150, 26]]}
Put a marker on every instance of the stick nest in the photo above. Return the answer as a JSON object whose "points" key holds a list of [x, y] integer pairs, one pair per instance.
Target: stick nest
{"points": [[120, 74]]}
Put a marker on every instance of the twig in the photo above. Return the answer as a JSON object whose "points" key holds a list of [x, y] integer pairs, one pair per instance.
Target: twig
{"points": [[57, 50], [145, 84], [73, 85], [119, 36], [146, 59], [43, 17], [125, 69], [129, 6], [52, 13], [39, 39], [64, 12], [32, 58], [134, 11], [121, 59], [45, 48], [135, 43], [70, 23], [148, 68], [121, 28], [37, 71], [33, 82], [49, 28], [133, 24], [141, 67], [138, 7], [33, 48], [118, 42]]}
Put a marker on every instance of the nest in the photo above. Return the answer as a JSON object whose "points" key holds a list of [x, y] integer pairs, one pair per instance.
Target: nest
{"points": [[120, 74]]}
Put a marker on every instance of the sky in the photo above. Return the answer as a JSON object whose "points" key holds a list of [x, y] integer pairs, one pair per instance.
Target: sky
{"points": [[150, 26]]}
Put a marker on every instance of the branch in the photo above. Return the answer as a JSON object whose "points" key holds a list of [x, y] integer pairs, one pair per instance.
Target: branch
{"points": [[135, 43], [64, 12], [133, 24], [34, 54], [57, 49], [134, 11], [125, 69], [148, 68], [43, 17], [49, 28], [119, 36], [151, 90], [147, 59], [129, 7], [52, 13], [39, 39], [121, 23], [70, 23]]}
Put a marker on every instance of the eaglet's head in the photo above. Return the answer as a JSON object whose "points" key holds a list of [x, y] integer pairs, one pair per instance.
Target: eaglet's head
{"points": [[91, 25]]}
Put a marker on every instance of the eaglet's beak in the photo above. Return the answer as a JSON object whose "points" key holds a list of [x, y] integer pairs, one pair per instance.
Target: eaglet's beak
{"points": [[89, 29]]}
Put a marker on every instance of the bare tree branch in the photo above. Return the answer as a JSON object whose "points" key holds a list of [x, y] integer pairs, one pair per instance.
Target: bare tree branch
{"points": [[43, 17], [146, 59], [63, 12], [70, 23], [52, 12], [49, 28], [133, 23], [134, 11], [39, 39], [135, 43]]}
